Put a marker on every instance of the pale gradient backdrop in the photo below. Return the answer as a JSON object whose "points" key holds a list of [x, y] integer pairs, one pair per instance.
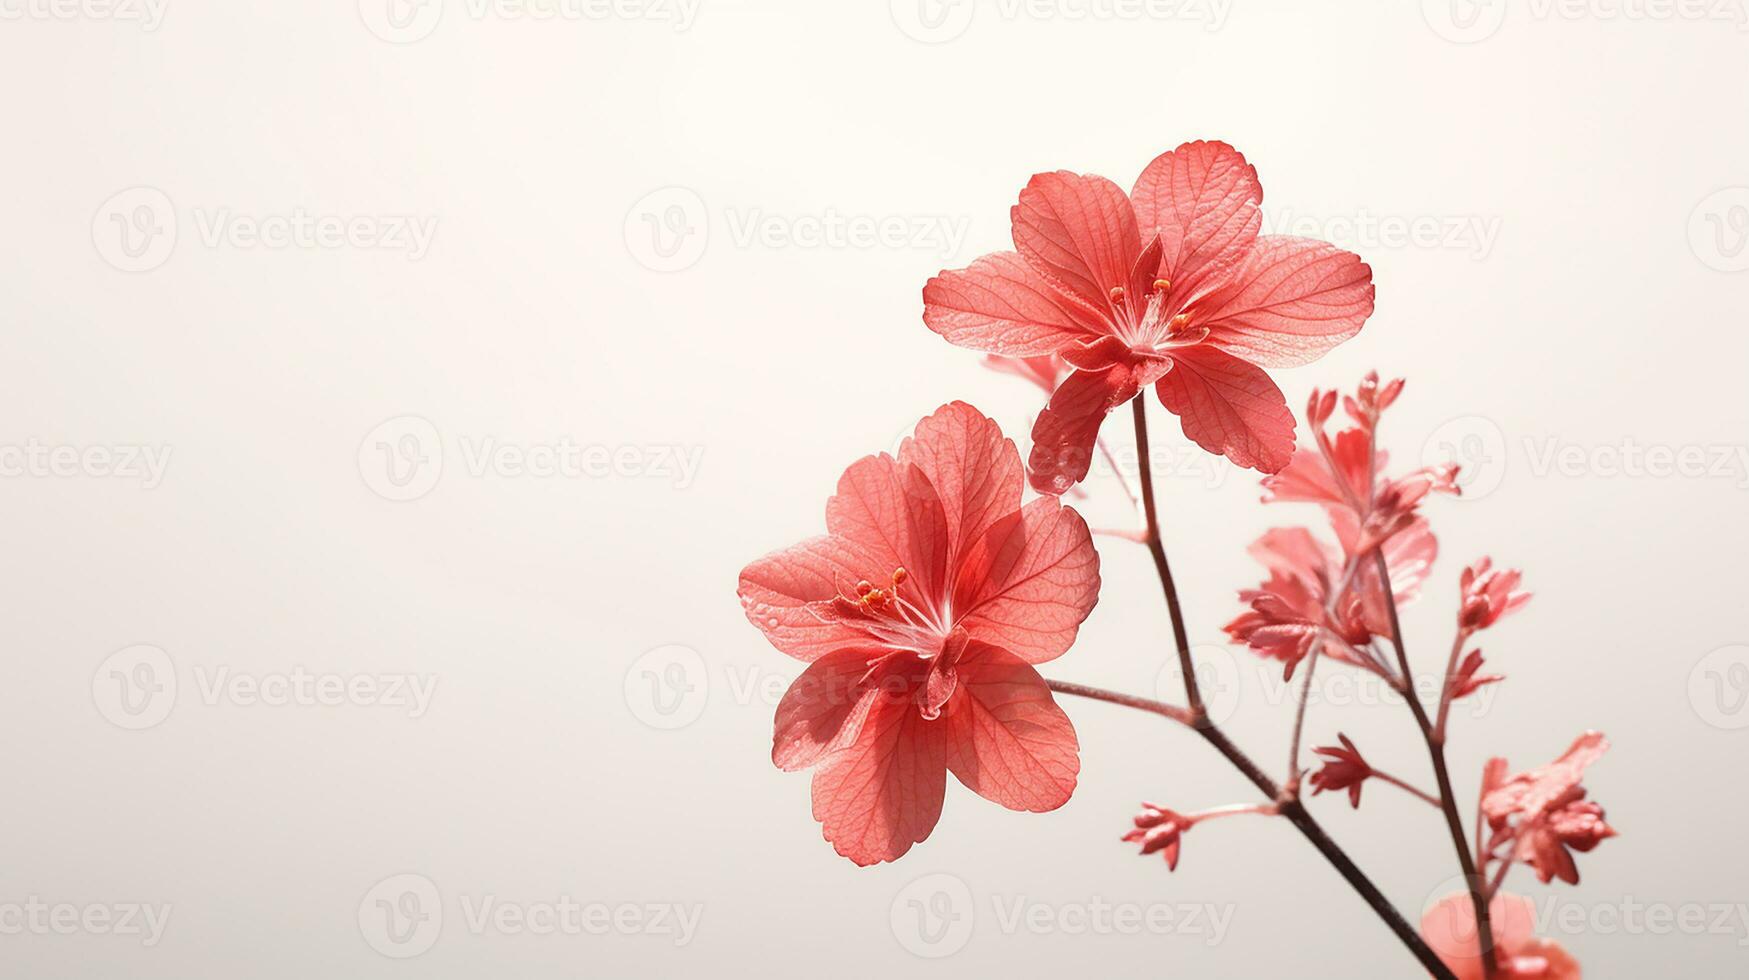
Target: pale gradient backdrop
{"points": [[392, 392]]}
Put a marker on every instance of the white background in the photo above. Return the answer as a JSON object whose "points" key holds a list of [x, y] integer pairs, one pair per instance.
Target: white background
{"points": [[1604, 310]]}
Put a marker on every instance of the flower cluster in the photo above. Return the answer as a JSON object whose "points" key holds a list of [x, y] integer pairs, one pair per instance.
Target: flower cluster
{"points": [[924, 611]]}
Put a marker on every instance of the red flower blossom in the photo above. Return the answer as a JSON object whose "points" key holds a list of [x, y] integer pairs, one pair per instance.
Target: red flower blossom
{"points": [[1344, 769], [1467, 680], [1543, 813], [1450, 928], [1160, 829], [1299, 605], [1171, 286], [1488, 595], [920, 614], [1044, 371]]}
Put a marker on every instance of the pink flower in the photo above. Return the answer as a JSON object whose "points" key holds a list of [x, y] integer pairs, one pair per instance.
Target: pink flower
{"points": [[1160, 829], [1299, 606], [1344, 769], [1171, 286], [1450, 928], [920, 614], [1543, 813], [1488, 595], [1344, 474]]}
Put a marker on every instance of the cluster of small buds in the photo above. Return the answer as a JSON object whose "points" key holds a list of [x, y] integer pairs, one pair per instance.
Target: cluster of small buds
{"points": [[1488, 594], [1160, 830]]}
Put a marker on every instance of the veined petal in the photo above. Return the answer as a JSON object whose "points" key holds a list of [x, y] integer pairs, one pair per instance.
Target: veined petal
{"points": [[882, 793], [1229, 407], [1008, 741], [999, 304], [1202, 200], [1291, 301], [1063, 437], [823, 709], [1030, 581], [781, 592], [973, 467], [1080, 231], [891, 511]]}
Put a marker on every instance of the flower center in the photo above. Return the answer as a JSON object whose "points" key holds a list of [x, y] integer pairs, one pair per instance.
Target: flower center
{"points": [[896, 621], [1148, 324]]}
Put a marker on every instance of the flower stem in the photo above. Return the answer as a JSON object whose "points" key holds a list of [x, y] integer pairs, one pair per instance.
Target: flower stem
{"points": [[1157, 548], [1436, 751], [1289, 806]]}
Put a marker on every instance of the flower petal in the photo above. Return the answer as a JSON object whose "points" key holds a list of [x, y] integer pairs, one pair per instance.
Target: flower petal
{"points": [[823, 710], [1065, 432], [999, 304], [1079, 231], [1030, 581], [1229, 407], [1202, 200], [1291, 301], [973, 467], [1008, 740], [883, 792], [777, 592], [891, 511]]}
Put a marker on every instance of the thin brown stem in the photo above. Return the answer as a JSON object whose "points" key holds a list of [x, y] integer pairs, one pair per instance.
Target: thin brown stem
{"points": [[1157, 548], [1289, 806], [1171, 711], [1436, 751], [1419, 794], [1293, 751]]}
